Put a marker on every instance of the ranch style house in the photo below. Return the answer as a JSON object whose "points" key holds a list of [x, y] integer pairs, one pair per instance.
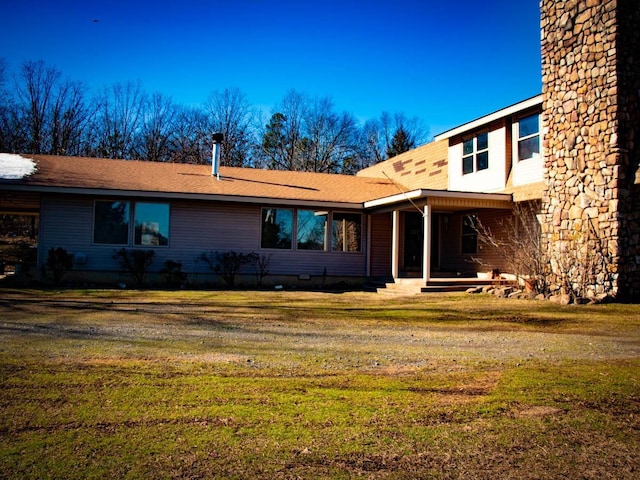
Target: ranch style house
{"points": [[571, 154]]}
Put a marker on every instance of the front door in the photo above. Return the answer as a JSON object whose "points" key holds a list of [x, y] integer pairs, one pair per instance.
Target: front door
{"points": [[413, 241]]}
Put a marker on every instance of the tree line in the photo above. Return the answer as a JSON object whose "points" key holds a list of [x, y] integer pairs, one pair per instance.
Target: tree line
{"points": [[42, 112]]}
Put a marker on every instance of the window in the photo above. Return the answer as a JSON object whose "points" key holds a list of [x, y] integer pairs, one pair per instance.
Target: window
{"points": [[311, 230], [475, 153], [111, 223], [151, 224], [528, 137], [345, 232], [277, 227], [469, 234]]}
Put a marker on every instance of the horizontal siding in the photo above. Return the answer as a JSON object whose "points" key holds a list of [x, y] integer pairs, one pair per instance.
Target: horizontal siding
{"points": [[451, 256], [195, 227], [381, 236], [490, 180]]}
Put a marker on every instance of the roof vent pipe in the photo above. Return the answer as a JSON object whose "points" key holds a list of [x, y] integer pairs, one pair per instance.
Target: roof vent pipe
{"points": [[215, 154]]}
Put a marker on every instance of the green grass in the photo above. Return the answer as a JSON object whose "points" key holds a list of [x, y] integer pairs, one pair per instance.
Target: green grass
{"points": [[111, 384]]}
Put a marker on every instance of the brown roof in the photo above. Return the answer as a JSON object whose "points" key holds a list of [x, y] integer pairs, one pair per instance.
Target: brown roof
{"points": [[425, 166], [95, 174]]}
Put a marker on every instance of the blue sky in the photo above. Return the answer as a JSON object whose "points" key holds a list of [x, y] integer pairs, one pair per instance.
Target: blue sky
{"points": [[446, 62]]}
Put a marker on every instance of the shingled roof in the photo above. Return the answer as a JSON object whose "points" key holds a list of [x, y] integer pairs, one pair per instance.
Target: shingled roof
{"points": [[176, 180]]}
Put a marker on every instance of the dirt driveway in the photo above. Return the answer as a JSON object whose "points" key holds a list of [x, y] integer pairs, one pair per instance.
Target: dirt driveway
{"points": [[348, 330]]}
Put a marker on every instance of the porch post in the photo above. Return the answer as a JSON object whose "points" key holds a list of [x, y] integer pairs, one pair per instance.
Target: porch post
{"points": [[395, 241], [426, 255]]}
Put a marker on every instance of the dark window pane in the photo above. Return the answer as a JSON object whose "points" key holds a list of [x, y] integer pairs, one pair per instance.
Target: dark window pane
{"points": [[469, 234], [527, 148], [528, 126], [483, 142], [311, 230], [151, 224], [277, 225], [469, 243], [111, 223], [467, 165], [467, 147], [469, 224], [345, 232], [482, 161]]}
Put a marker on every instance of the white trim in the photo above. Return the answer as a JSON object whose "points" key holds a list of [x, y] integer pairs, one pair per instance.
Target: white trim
{"points": [[426, 251], [395, 244], [420, 193], [472, 125]]}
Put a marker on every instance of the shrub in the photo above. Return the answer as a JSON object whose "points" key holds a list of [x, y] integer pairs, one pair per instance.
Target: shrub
{"points": [[173, 274], [135, 263], [59, 261], [261, 263], [227, 264]]}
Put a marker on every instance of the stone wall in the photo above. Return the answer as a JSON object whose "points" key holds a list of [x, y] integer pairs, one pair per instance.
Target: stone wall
{"points": [[591, 219]]}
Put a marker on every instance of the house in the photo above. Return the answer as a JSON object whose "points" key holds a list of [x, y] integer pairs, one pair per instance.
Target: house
{"points": [[571, 153], [411, 216]]}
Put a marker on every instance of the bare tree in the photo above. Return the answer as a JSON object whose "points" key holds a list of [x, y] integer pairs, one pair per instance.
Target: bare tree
{"points": [[69, 119], [283, 143], [119, 120], [519, 242], [12, 133], [157, 131], [388, 136], [231, 115], [331, 138], [191, 139], [34, 90]]}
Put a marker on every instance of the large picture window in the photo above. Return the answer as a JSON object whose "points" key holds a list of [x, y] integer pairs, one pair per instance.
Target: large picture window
{"points": [[346, 232], [311, 230], [528, 137], [111, 223], [152, 224], [475, 153], [277, 227]]}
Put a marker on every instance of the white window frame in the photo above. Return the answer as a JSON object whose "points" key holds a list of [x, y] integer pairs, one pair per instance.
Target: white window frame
{"points": [[527, 137], [475, 153]]}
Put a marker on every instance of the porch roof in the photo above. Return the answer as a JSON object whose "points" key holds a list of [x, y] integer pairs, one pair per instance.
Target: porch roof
{"points": [[443, 199]]}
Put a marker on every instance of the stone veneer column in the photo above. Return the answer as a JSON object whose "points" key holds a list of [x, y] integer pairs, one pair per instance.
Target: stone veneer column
{"points": [[591, 127]]}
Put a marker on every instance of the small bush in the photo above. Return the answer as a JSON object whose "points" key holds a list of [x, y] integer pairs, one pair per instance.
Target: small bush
{"points": [[59, 261], [135, 263], [173, 275], [261, 263], [227, 264]]}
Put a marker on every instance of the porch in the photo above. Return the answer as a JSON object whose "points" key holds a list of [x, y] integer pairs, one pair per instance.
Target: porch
{"points": [[425, 241]]}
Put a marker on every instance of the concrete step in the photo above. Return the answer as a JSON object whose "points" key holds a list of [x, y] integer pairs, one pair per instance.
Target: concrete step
{"points": [[411, 286]]}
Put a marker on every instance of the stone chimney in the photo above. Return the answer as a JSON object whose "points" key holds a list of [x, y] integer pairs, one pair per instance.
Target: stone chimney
{"points": [[591, 128]]}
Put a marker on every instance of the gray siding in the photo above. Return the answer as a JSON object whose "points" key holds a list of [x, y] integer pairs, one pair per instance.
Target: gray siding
{"points": [[195, 227]]}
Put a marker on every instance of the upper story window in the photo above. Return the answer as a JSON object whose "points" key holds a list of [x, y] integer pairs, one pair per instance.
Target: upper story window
{"points": [[528, 135], [475, 153]]}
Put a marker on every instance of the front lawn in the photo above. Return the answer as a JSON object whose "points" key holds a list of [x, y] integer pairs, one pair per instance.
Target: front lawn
{"points": [[145, 384]]}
